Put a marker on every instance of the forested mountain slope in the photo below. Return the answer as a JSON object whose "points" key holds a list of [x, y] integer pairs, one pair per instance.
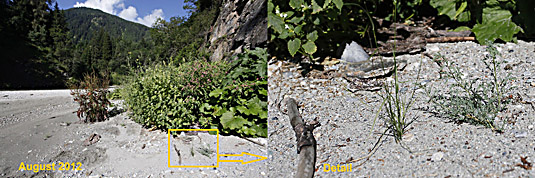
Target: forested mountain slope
{"points": [[82, 22]]}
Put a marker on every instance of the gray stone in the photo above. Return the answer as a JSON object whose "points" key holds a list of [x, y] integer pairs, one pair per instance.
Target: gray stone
{"points": [[521, 134], [437, 156], [353, 53]]}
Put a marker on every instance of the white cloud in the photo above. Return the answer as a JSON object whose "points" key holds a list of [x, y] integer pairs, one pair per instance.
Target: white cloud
{"points": [[130, 13], [148, 20], [104, 5], [120, 5]]}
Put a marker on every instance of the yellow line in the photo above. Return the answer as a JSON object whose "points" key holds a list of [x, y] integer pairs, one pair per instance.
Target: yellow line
{"points": [[168, 148]]}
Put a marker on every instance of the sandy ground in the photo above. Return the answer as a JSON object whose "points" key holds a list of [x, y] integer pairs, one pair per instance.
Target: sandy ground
{"points": [[432, 146], [41, 127]]}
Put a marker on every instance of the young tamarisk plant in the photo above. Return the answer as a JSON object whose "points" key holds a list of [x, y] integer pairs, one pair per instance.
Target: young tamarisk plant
{"points": [[476, 101], [91, 95]]}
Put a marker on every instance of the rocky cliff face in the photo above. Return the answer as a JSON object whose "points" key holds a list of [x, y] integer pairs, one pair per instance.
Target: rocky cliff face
{"points": [[240, 25]]}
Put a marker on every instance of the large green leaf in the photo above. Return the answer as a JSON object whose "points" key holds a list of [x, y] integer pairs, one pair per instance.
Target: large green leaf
{"points": [[339, 4], [262, 92], [271, 6], [460, 10], [243, 110], [216, 92], [497, 24], [294, 4], [293, 46], [260, 130], [275, 22], [312, 36], [228, 120], [315, 7], [296, 20], [298, 29], [310, 47], [444, 7], [254, 107], [326, 3]]}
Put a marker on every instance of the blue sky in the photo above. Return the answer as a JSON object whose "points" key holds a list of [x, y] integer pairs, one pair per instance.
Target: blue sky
{"points": [[141, 11]]}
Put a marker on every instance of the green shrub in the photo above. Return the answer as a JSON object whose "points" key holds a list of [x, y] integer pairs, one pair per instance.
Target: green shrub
{"points": [[91, 95], [240, 105], [299, 22], [115, 94], [476, 101], [169, 97], [231, 98]]}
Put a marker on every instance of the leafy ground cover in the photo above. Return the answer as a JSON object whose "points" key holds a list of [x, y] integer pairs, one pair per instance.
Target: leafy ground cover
{"points": [[315, 28]]}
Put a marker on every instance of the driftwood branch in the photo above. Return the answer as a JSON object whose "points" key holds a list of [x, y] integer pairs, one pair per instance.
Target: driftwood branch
{"points": [[306, 144]]}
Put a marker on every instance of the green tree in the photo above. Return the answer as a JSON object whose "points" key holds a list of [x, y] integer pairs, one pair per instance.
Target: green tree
{"points": [[183, 38]]}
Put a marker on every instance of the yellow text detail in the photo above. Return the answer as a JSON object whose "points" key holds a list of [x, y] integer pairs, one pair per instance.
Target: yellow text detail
{"points": [[337, 168], [63, 166]]}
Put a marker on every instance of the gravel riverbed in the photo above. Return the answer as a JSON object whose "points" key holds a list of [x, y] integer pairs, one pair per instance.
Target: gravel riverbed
{"points": [[432, 147]]}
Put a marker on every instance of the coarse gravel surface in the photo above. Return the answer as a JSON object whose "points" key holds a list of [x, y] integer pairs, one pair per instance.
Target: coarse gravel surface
{"points": [[432, 147]]}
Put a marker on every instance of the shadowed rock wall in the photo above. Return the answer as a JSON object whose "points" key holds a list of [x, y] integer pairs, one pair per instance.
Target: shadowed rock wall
{"points": [[240, 25]]}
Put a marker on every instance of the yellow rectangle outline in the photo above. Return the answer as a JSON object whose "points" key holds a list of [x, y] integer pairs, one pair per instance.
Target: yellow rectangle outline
{"points": [[190, 166]]}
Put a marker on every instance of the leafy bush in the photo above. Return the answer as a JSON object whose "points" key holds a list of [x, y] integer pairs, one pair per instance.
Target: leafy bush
{"points": [[474, 101], [299, 22], [492, 18], [240, 104], [169, 97], [199, 94], [91, 96], [115, 94]]}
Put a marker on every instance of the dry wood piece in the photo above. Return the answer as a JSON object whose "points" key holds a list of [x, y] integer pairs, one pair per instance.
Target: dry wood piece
{"points": [[306, 144], [449, 39], [93, 138], [178, 153], [409, 39]]}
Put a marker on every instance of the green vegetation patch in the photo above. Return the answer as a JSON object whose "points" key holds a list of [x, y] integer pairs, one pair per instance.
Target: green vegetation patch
{"points": [[476, 101], [169, 97], [199, 94]]}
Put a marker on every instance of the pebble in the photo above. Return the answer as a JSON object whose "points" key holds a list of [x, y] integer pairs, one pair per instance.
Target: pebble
{"points": [[434, 48], [530, 127], [290, 145], [408, 137], [437, 156], [521, 134]]}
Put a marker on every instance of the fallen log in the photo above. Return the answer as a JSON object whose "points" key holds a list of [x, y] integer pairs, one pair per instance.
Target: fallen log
{"points": [[306, 143]]}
